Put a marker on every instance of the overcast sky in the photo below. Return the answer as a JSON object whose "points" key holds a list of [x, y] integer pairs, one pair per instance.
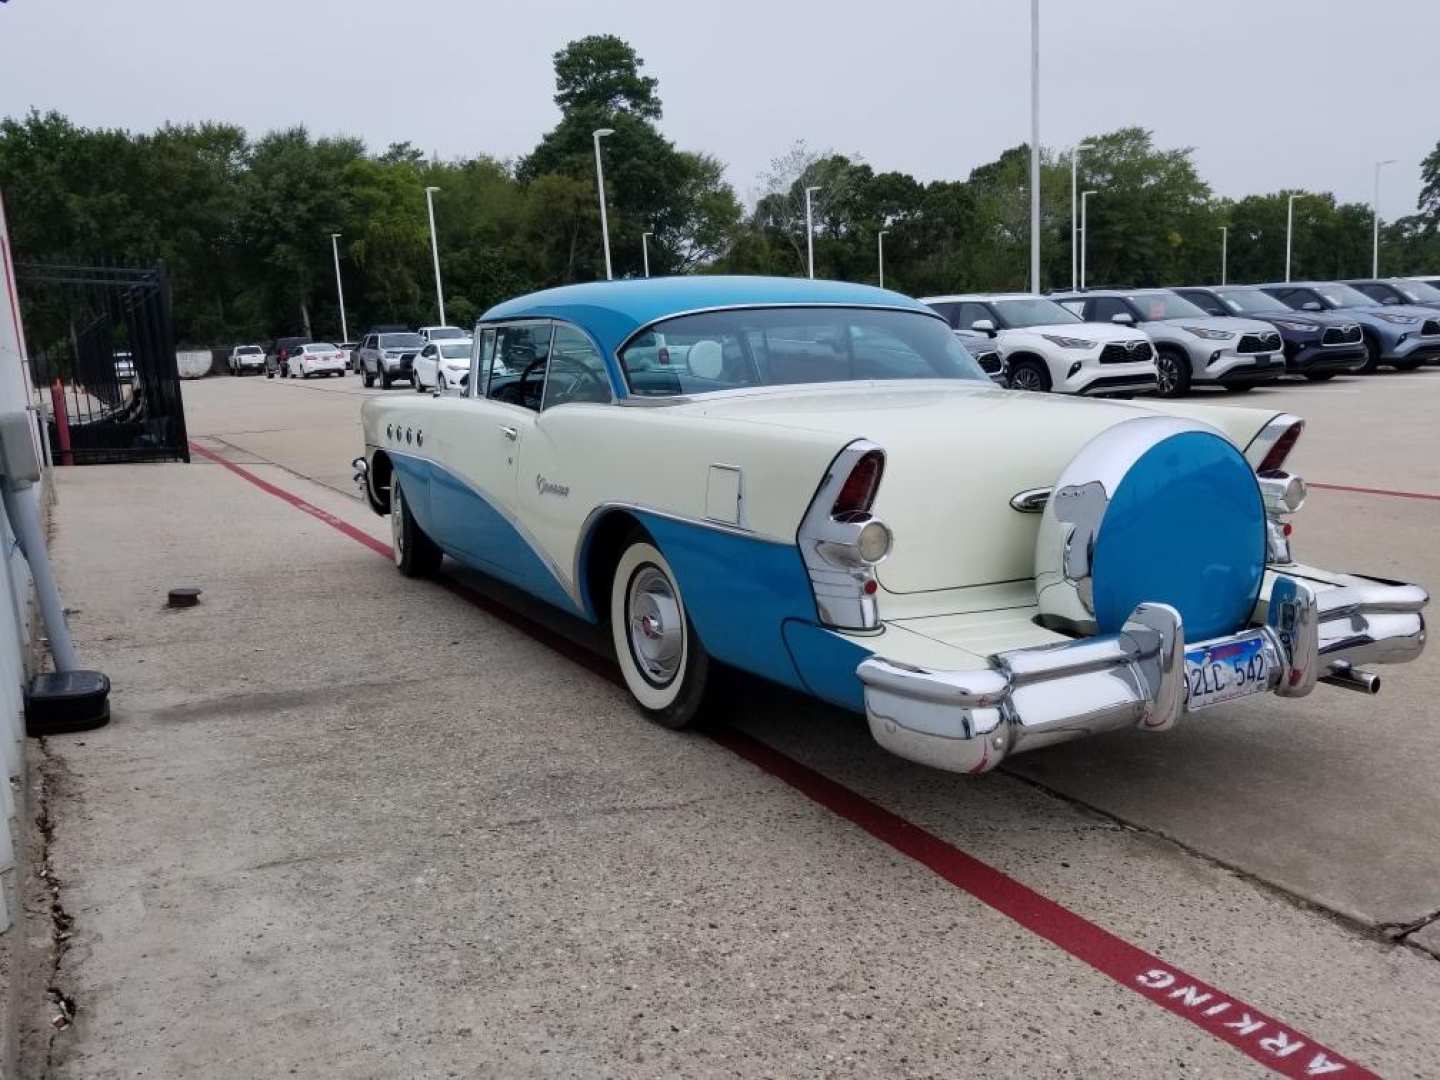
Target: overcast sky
{"points": [[1270, 93]]}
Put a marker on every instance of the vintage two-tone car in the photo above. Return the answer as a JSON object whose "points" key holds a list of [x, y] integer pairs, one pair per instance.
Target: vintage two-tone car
{"points": [[813, 482]]}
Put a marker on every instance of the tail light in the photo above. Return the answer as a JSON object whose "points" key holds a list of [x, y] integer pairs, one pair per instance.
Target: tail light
{"points": [[841, 542], [1275, 442], [857, 493]]}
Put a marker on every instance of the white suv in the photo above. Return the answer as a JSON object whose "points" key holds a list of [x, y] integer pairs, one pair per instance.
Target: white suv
{"points": [[1048, 348]]}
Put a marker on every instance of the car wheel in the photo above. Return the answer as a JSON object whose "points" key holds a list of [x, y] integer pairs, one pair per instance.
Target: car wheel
{"points": [[1029, 375], [416, 555], [366, 377], [1406, 365], [1241, 388], [269, 374], [418, 388], [1172, 372], [1372, 357], [1319, 376], [385, 381], [666, 669]]}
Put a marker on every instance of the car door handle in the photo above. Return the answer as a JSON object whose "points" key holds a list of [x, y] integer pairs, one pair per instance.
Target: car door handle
{"points": [[510, 433]]}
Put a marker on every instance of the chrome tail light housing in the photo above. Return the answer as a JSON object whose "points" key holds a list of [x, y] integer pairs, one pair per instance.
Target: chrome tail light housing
{"points": [[841, 541]]}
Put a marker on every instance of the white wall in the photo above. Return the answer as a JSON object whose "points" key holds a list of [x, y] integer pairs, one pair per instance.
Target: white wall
{"points": [[14, 590]]}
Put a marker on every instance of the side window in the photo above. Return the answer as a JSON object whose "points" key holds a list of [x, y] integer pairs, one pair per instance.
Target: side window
{"points": [[576, 370], [1380, 293], [1205, 301], [517, 369], [1104, 308], [1298, 298], [1075, 307], [971, 312], [480, 352], [951, 312], [369, 342]]}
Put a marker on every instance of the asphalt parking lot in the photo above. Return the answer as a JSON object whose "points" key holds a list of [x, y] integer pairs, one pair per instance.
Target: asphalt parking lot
{"points": [[347, 824]]}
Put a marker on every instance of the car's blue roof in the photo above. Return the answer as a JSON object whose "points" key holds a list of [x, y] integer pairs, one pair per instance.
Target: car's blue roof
{"points": [[613, 310]]}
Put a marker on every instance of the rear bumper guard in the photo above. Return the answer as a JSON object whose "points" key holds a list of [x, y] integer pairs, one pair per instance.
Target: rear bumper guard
{"points": [[970, 721]]}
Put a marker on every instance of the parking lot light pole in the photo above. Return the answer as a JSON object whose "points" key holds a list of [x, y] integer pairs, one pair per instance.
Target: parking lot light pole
{"points": [[880, 254], [597, 135], [339, 288], [435, 251], [1035, 145], [1084, 232], [1224, 250], [810, 231], [1375, 252], [1075, 210], [645, 250]]}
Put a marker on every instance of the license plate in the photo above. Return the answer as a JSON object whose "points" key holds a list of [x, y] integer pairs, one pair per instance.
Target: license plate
{"points": [[1225, 671]]}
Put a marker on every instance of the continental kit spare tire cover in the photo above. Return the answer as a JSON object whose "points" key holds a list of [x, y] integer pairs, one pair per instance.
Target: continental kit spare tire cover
{"points": [[1153, 510]]}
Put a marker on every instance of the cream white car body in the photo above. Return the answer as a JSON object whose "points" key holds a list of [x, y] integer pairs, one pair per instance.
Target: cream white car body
{"points": [[938, 642]]}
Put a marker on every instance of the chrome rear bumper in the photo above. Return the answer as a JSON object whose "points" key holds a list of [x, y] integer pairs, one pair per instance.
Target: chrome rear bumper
{"points": [[970, 721]]}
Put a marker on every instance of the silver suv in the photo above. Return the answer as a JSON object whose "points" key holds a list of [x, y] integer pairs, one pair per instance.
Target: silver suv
{"points": [[389, 356], [1192, 348]]}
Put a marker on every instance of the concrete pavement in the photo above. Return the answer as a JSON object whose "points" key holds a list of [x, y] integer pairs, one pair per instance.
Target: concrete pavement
{"points": [[346, 824]]}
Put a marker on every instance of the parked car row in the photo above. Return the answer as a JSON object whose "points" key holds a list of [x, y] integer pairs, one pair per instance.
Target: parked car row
{"points": [[1122, 342], [825, 491]]}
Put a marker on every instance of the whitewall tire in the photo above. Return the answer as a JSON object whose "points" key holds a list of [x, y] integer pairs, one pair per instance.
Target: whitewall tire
{"points": [[665, 666]]}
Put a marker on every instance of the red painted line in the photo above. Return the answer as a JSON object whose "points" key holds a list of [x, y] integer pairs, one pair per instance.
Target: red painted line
{"points": [[1259, 1036], [1377, 491], [314, 511]]}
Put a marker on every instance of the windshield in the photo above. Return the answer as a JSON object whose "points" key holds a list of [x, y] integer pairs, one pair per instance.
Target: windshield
{"points": [[459, 351], [1252, 302], [248, 350], [735, 348], [445, 333], [1164, 305], [1345, 296], [401, 341], [1033, 311], [1417, 292]]}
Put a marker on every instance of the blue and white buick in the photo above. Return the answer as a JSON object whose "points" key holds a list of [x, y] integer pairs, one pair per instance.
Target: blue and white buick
{"points": [[813, 482]]}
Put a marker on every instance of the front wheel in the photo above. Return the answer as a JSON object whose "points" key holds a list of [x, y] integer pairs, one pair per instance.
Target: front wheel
{"points": [[366, 377], [1029, 375], [1319, 376], [416, 555], [1372, 357], [1172, 372], [665, 666], [385, 380]]}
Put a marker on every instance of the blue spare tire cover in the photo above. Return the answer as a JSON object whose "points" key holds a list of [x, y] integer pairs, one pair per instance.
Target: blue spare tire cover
{"points": [[1156, 510]]}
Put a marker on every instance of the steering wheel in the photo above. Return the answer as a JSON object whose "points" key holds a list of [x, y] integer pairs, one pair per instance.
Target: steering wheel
{"points": [[579, 371]]}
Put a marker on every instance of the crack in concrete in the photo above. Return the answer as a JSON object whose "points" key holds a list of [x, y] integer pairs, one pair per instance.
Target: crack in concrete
{"points": [[1376, 932], [61, 922], [1401, 930]]}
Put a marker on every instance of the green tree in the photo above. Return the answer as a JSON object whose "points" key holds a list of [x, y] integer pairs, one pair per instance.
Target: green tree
{"points": [[602, 73]]}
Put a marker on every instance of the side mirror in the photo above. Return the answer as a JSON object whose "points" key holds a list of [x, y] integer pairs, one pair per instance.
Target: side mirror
{"points": [[1124, 318], [1312, 305], [985, 326]]}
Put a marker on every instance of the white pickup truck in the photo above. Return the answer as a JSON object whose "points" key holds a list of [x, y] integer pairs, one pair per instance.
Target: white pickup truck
{"points": [[247, 358]]}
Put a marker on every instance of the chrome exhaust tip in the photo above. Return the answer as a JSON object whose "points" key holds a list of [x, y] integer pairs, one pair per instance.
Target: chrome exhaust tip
{"points": [[1352, 678]]}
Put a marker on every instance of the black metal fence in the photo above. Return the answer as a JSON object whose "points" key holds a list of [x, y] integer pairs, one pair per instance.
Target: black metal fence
{"points": [[102, 344]]}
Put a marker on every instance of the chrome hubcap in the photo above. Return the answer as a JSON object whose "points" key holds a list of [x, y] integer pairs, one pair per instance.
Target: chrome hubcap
{"points": [[657, 629], [1169, 377], [397, 521]]}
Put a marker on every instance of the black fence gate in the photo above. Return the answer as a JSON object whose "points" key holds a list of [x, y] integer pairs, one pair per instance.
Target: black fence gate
{"points": [[102, 344]]}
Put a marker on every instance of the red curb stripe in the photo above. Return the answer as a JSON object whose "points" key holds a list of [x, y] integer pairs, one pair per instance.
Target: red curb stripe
{"points": [[1377, 491], [1254, 1033], [294, 500]]}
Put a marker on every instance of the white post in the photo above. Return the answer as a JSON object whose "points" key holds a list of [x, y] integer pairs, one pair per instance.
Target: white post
{"points": [[1035, 145], [1375, 253], [1074, 217], [645, 250], [1289, 232], [339, 288], [435, 251], [1224, 250], [810, 232], [597, 135], [1084, 232], [880, 244]]}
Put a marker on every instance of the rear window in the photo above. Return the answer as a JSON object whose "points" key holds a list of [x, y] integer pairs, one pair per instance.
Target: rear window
{"points": [[248, 350], [732, 349], [322, 346]]}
